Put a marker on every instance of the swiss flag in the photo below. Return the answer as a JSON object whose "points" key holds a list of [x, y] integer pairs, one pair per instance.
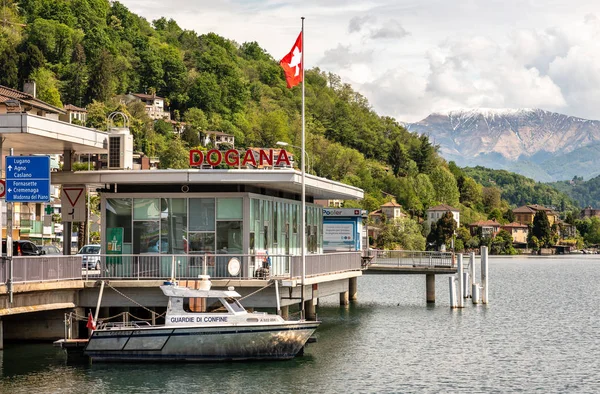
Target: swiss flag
{"points": [[90, 323], [292, 64]]}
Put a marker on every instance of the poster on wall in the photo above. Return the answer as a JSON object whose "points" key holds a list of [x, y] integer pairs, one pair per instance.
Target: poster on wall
{"points": [[339, 236], [114, 243]]}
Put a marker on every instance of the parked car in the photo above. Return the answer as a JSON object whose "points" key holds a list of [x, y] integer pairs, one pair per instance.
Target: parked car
{"points": [[22, 248], [50, 249], [90, 257]]}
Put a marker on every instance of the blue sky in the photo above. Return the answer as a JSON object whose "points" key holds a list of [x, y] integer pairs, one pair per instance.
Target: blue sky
{"points": [[411, 58]]}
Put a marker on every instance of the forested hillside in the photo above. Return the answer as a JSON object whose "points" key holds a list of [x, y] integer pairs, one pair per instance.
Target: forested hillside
{"points": [[519, 190], [586, 193], [88, 52]]}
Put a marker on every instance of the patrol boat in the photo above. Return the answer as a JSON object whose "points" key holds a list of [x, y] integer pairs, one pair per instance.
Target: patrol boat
{"points": [[201, 325]]}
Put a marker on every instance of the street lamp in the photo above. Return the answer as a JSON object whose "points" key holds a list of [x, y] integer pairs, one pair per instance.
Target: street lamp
{"points": [[281, 143]]}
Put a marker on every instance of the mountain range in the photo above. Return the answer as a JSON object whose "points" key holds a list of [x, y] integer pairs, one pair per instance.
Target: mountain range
{"points": [[543, 145]]}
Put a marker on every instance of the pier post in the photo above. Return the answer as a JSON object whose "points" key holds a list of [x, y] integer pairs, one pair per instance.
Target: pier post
{"points": [[452, 291], [1, 334], [310, 309], [285, 312], [484, 274], [471, 270], [430, 288], [353, 289], [459, 268], [344, 298]]}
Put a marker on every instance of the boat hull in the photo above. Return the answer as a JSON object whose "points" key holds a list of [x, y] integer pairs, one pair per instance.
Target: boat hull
{"points": [[206, 343]]}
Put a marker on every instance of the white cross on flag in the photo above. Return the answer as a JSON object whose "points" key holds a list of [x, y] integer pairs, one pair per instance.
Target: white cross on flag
{"points": [[292, 64]]}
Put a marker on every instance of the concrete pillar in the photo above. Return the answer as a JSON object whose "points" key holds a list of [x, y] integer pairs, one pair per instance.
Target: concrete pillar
{"points": [[310, 310], [353, 289], [430, 288], [285, 312], [344, 297]]}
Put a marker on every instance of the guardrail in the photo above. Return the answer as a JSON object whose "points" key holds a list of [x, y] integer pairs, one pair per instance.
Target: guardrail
{"points": [[408, 258], [220, 266], [40, 269]]}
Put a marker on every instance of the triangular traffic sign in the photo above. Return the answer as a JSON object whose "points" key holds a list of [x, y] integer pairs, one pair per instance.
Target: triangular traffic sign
{"points": [[73, 194]]}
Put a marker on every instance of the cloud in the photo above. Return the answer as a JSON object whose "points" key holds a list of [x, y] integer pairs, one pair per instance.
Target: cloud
{"points": [[392, 30], [356, 24], [343, 56]]}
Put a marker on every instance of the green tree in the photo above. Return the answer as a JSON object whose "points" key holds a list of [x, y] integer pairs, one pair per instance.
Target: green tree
{"points": [[398, 158], [491, 198], [444, 183], [47, 86], [470, 191], [541, 229], [174, 155], [425, 155]]}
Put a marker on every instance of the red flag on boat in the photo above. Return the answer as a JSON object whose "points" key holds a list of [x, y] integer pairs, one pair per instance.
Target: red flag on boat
{"points": [[292, 64], [90, 323]]}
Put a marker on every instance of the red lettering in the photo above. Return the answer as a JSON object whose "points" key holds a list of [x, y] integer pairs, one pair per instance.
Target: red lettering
{"points": [[264, 158], [193, 154], [283, 157], [209, 156], [236, 161], [249, 157]]}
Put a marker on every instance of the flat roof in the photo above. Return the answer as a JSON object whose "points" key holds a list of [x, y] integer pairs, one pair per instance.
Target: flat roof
{"points": [[31, 134], [284, 180]]}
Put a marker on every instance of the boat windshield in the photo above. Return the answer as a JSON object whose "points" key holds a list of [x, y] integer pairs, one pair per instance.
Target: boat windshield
{"points": [[234, 304]]}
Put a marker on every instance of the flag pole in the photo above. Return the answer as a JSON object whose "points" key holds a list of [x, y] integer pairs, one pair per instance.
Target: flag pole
{"points": [[303, 226]]}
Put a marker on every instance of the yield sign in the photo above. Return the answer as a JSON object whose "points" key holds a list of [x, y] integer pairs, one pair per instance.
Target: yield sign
{"points": [[73, 203], [73, 194]]}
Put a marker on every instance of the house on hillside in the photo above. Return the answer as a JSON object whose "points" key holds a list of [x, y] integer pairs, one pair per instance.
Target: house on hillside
{"points": [[391, 210], [435, 213], [526, 213], [485, 228], [217, 138], [518, 231], [155, 105], [589, 212], [74, 113]]}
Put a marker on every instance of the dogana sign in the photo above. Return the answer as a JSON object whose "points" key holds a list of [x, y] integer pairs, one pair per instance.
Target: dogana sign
{"points": [[233, 157]]}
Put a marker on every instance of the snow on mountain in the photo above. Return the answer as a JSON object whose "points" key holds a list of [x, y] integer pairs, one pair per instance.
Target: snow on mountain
{"points": [[505, 137]]}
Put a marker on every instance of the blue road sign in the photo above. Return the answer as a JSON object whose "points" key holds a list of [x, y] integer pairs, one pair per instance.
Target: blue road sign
{"points": [[27, 178]]}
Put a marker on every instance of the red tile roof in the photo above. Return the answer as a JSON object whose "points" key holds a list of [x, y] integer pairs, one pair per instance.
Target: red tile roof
{"points": [[145, 96], [485, 223], [391, 204], [24, 98], [444, 208], [71, 107]]}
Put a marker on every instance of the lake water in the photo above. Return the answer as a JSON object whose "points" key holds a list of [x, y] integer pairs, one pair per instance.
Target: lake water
{"points": [[538, 333]]}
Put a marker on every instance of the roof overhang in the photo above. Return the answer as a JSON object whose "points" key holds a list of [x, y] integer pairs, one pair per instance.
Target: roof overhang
{"points": [[285, 180], [31, 134]]}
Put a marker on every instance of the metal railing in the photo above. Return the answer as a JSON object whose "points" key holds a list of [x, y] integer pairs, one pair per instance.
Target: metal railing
{"points": [[220, 266], [161, 266], [40, 269], [409, 258]]}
